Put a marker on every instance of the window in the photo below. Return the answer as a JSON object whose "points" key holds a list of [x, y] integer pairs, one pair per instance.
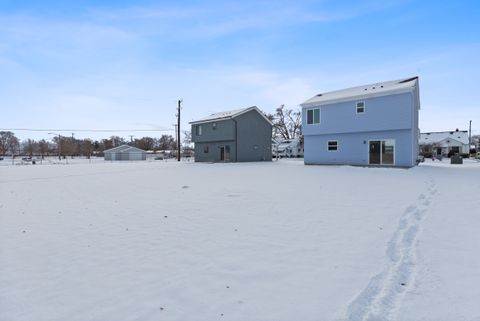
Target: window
{"points": [[388, 149], [205, 149], [214, 126], [332, 145], [199, 130], [360, 107], [313, 116], [455, 149]]}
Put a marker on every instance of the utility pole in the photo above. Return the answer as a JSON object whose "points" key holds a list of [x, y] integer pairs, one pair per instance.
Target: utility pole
{"points": [[178, 128], [59, 147], [470, 137], [72, 148], [131, 138], [176, 138]]}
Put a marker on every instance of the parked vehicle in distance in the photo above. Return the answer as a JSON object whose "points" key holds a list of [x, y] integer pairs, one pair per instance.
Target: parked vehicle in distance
{"points": [[32, 160], [289, 148]]}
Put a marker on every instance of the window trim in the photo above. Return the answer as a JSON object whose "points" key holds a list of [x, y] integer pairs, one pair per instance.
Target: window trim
{"points": [[313, 116], [328, 145], [199, 130], [364, 108]]}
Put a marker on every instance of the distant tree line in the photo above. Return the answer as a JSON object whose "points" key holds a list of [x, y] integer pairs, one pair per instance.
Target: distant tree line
{"points": [[287, 124], [70, 146]]}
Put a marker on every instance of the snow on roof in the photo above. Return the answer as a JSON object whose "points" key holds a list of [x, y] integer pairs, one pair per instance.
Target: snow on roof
{"points": [[229, 114], [124, 148], [437, 137], [377, 89]]}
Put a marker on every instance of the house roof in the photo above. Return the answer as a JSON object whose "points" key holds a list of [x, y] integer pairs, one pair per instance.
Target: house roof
{"points": [[229, 115], [437, 137], [365, 91], [124, 148]]}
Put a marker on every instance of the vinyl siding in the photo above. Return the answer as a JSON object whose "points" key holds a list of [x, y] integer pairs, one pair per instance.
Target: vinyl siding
{"points": [[353, 148], [381, 113]]}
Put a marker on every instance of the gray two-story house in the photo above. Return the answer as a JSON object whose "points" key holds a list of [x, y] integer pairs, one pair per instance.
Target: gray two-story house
{"points": [[242, 135], [367, 125]]}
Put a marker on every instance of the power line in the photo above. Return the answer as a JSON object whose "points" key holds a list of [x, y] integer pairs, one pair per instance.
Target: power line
{"points": [[85, 130]]}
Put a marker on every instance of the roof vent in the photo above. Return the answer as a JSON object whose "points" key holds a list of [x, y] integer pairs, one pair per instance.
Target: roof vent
{"points": [[319, 95], [451, 133], [365, 88], [373, 87], [381, 86]]}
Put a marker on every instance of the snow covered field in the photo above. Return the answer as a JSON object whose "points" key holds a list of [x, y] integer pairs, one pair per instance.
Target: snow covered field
{"points": [[258, 241]]}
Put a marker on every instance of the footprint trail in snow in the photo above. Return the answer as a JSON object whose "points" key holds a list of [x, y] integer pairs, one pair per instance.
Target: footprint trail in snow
{"points": [[381, 298]]}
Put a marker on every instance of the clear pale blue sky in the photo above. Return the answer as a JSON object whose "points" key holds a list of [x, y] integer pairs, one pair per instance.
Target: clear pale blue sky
{"points": [[123, 64]]}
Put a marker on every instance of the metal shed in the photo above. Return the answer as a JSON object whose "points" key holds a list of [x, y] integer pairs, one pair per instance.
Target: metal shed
{"points": [[124, 152]]}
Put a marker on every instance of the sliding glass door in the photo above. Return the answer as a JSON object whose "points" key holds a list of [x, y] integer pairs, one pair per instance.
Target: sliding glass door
{"points": [[381, 152]]}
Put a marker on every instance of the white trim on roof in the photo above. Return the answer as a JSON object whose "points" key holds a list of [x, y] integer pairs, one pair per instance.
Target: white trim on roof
{"points": [[124, 148], [229, 115], [114, 148]]}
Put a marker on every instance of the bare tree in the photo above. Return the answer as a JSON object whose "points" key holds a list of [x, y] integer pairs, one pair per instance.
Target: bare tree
{"points": [[30, 147], [13, 145], [7, 140], [166, 142], [96, 147], [86, 148], [117, 141], [61, 143], [187, 138], [111, 142], [105, 144], [145, 143], [43, 148], [287, 123]]}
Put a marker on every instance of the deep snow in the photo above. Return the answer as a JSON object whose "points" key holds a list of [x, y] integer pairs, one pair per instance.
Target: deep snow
{"points": [[257, 241]]}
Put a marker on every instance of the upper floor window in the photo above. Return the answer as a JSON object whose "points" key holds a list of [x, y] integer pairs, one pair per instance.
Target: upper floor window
{"points": [[313, 116], [199, 130], [360, 107]]}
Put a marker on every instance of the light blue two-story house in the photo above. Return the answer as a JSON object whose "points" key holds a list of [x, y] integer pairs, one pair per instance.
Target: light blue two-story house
{"points": [[374, 125]]}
